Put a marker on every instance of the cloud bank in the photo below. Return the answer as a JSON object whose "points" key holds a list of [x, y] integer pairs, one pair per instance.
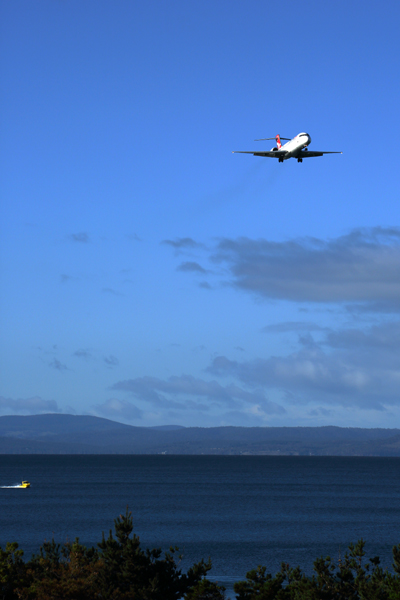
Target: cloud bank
{"points": [[31, 406], [348, 368], [119, 410], [360, 268], [189, 393]]}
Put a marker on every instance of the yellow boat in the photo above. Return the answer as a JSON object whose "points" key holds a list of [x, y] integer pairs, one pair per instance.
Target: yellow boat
{"points": [[25, 484]]}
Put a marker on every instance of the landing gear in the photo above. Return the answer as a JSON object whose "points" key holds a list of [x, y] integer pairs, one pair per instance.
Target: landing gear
{"points": [[280, 160], [299, 160]]}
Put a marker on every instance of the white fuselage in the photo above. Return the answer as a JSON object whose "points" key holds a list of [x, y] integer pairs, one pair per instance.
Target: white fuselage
{"points": [[296, 145]]}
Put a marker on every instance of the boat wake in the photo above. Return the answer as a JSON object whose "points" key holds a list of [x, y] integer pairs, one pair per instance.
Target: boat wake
{"points": [[10, 486]]}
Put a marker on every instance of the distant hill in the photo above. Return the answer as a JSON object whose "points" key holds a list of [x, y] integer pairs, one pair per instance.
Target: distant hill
{"points": [[167, 427], [72, 434]]}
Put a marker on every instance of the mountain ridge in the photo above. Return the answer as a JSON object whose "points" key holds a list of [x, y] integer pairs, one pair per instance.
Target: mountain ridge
{"points": [[86, 434]]}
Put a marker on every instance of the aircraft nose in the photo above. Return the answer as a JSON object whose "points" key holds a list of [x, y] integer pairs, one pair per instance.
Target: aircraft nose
{"points": [[309, 139]]}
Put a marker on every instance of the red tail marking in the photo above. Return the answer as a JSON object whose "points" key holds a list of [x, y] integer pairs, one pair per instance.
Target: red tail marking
{"points": [[278, 142]]}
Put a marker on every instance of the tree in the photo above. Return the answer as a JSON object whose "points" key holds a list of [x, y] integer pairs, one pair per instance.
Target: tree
{"points": [[12, 571], [120, 569], [206, 590], [128, 569], [350, 579], [69, 572], [260, 585]]}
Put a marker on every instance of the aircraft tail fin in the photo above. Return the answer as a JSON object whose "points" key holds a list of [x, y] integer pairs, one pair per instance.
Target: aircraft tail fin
{"points": [[278, 142]]}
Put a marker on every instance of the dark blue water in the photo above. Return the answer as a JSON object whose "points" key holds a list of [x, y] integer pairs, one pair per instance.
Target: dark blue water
{"points": [[241, 510]]}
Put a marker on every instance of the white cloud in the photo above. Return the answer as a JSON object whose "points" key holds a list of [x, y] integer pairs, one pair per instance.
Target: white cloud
{"points": [[350, 368], [360, 268], [189, 393], [33, 405], [118, 410]]}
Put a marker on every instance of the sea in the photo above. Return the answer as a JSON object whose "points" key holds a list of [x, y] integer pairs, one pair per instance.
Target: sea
{"points": [[242, 511]]}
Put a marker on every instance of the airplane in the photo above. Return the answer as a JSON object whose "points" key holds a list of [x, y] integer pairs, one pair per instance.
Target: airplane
{"points": [[295, 148]]}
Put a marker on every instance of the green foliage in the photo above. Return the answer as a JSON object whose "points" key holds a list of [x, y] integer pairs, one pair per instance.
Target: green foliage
{"points": [[350, 579], [119, 569], [127, 568], [206, 590], [12, 571], [69, 572], [260, 585]]}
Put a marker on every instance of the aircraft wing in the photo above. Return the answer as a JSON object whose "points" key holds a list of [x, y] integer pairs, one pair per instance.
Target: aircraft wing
{"points": [[270, 154], [312, 153]]}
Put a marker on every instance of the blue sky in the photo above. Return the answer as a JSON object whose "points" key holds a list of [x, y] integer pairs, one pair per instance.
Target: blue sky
{"points": [[150, 276]]}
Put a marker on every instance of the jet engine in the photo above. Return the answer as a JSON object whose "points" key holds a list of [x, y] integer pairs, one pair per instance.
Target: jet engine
{"points": [[274, 149]]}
